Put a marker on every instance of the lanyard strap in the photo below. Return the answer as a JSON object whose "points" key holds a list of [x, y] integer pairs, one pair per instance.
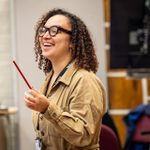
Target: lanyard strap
{"points": [[56, 81], [61, 74]]}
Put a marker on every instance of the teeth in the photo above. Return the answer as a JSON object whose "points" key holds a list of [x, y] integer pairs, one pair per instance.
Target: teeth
{"points": [[47, 44]]}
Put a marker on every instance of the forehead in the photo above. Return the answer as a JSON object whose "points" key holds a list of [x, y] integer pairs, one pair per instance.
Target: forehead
{"points": [[58, 20]]}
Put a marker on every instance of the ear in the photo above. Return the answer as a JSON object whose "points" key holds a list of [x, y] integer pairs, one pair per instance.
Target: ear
{"points": [[71, 46]]}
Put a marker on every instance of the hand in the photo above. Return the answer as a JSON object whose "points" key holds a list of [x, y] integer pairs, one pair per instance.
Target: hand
{"points": [[35, 100]]}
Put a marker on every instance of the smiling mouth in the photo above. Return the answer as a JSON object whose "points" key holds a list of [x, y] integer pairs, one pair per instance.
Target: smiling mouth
{"points": [[48, 44]]}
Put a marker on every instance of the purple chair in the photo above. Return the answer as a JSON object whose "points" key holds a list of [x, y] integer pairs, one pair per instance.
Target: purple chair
{"points": [[108, 139]]}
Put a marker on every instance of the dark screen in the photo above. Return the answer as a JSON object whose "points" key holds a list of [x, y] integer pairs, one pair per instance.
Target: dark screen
{"points": [[129, 34]]}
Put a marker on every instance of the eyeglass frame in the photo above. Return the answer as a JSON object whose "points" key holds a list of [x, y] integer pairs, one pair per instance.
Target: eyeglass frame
{"points": [[59, 28]]}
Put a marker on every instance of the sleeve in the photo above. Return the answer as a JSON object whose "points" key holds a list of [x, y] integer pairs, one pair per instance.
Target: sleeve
{"points": [[79, 125]]}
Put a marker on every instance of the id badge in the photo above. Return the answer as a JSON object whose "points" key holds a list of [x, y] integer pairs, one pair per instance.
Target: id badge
{"points": [[38, 144]]}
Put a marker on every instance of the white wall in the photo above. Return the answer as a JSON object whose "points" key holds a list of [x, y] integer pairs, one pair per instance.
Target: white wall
{"points": [[26, 13], [5, 55]]}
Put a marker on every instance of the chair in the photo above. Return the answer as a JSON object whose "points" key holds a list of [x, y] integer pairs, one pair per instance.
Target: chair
{"points": [[108, 121], [108, 139]]}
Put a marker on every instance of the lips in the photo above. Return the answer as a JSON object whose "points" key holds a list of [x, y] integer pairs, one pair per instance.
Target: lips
{"points": [[48, 44]]}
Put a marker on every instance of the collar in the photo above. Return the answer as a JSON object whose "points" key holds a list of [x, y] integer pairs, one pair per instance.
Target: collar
{"points": [[66, 78]]}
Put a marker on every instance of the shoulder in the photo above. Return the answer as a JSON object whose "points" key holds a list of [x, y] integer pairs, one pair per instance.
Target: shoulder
{"points": [[89, 86], [85, 75], [87, 79]]}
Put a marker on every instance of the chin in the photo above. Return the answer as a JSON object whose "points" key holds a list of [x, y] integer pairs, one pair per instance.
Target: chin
{"points": [[47, 55]]}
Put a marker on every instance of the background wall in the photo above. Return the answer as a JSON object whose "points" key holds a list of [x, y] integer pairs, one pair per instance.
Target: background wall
{"points": [[5, 54], [25, 15]]}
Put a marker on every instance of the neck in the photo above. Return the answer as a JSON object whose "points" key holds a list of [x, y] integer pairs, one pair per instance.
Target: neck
{"points": [[59, 65]]}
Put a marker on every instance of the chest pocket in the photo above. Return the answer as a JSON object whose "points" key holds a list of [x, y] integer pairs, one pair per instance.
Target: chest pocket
{"points": [[60, 96]]}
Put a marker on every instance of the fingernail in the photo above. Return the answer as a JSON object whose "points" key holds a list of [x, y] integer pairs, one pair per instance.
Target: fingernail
{"points": [[29, 91]]}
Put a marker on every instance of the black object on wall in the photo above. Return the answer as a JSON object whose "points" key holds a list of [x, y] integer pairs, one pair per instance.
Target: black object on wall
{"points": [[130, 34]]}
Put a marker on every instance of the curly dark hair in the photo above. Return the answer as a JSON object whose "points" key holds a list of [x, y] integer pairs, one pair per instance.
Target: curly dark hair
{"points": [[83, 50]]}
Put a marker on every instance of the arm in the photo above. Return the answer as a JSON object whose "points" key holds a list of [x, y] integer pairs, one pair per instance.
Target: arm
{"points": [[82, 121]]}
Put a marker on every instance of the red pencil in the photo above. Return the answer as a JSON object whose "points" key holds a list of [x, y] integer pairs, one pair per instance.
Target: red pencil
{"points": [[22, 75]]}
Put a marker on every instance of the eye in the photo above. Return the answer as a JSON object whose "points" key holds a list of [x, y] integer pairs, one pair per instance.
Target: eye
{"points": [[53, 31], [42, 31]]}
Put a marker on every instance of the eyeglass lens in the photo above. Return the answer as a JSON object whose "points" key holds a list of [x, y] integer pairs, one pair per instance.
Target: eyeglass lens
{"points": [[52, 31]]}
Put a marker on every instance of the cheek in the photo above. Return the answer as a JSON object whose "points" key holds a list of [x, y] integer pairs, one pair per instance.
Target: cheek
{"points": [[64, 43]]}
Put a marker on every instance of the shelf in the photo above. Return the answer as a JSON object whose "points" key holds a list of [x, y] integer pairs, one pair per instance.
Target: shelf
{"points": [[8, 111]]}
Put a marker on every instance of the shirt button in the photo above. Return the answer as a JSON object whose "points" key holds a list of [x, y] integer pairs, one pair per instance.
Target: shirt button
{"points": [[41, 117], [54, 115], [42, 133]]}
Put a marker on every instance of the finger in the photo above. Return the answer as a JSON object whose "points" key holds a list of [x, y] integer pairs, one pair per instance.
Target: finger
{"points": [[34, 92], [29, 98], [27, 94], [29, 103]]}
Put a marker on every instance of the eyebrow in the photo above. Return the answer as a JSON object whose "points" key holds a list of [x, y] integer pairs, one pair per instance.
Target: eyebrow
{"points": [[56, 26]]}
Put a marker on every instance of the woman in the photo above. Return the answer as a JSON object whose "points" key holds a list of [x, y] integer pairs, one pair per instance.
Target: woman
{"points": [[68, 109]]}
